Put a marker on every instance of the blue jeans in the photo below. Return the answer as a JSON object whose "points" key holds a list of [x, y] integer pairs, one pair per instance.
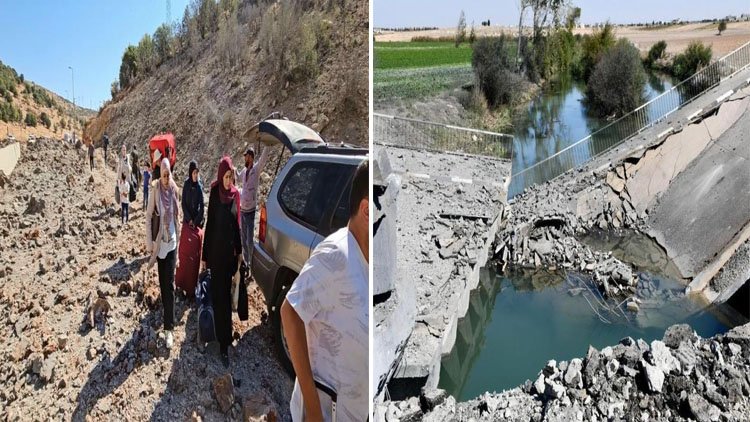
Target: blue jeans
{"points": [[124, 212], [145, 197], [247, 232]]}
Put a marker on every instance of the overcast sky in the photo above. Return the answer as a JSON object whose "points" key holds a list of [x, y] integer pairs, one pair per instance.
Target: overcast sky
{"points": [[444, 13]]}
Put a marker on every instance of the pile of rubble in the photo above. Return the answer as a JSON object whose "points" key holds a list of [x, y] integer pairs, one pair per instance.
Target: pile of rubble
{"points": [[682, 377], [83, 319], [547, 221]]}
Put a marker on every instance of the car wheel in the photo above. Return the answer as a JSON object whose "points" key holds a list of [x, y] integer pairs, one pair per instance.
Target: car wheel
{"points": [[282, 350]]}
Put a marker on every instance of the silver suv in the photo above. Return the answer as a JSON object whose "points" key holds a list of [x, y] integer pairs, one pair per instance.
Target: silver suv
{"points": [[308, 201]]}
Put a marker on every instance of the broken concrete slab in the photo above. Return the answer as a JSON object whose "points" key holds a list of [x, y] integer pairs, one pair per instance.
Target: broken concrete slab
{"points": [[661, 165], [9, 157], [702, 211]]}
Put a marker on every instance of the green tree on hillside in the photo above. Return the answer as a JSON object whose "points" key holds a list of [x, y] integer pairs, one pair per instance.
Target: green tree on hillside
{"points": [[163, 43], [128, 67], [207, 17], [145, 54], [30, 119], [229, 43], [114, 89], [45, 120], [461, 29], [472, 34]]}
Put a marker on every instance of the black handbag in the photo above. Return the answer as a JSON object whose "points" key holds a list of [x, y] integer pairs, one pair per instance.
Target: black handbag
{"points": [[155, 222], [242, 311], [131, 194]]}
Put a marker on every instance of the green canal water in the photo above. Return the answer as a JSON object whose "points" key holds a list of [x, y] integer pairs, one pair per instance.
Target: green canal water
{"points": [[517, 322]]}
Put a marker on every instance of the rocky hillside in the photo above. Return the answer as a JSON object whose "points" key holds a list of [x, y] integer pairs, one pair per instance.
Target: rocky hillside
{"points": [[20, 99], [82, 320], [210, 91]]}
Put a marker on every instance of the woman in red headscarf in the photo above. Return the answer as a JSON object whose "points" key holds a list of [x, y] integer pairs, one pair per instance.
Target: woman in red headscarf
{"points": [[222, 248]]}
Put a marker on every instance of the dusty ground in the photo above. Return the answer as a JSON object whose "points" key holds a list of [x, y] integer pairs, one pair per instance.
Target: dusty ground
{"points": [[55, 257], [677, 37]]}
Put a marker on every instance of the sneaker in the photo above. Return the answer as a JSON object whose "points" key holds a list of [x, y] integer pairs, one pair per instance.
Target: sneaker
{"points": [[170, 339]]}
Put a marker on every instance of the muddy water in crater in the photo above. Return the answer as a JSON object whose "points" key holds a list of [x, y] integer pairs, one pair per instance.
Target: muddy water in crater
{"points": [[517, 322]]}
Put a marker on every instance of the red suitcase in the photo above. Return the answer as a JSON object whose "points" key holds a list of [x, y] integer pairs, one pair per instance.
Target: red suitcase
{"points": [[191, 243]]}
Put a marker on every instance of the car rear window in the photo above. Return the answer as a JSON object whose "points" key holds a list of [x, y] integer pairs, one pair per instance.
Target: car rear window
{"points": [[311, 188]]}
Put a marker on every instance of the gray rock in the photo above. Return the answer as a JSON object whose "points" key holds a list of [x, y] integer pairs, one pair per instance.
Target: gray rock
{"points": [[551, 368], [429, 399], [542, 247], [611, 368], [539, 384], [553, 389], [676, 334], [36, 361], [701, 409], [622, 275], [47, 371], [734, 349], [573, 377], [654, 377], [663, 358]]}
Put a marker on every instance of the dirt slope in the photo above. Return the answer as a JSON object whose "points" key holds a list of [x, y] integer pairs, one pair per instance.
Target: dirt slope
{"points": [[208, 104]]}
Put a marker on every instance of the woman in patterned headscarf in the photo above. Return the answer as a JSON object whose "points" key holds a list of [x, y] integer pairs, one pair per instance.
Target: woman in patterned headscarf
{"points": [[164, 248], [222, 248]]}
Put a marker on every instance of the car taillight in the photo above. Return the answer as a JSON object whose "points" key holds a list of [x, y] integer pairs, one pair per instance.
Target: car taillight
{"points": [[262, 224]]}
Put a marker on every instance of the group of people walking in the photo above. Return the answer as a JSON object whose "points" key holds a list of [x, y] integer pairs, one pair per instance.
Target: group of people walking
{"points": [[329, 296], [226, 240]]}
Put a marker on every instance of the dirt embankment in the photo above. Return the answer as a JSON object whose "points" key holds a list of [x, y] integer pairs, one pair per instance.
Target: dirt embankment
{"points": [[83, 320], [209, 104]]}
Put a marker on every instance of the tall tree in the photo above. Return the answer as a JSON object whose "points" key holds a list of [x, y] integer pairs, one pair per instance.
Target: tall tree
{"points": [[461, 29], [722, 26], [163, 42]]}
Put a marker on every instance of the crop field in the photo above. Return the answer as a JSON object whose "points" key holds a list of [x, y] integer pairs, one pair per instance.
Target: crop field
{"points": [[400, 55], [419, 69], [414, 83]]}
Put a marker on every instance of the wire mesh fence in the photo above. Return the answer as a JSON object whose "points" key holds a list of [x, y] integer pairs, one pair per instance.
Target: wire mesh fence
{"points": [[632, 123], [417, 134]]}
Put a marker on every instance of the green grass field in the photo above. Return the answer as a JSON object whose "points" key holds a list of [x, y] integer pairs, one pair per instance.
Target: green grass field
{"points": [[403, 55], [418, 83]]}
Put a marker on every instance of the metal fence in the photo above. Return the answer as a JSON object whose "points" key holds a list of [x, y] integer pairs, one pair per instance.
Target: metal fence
{"points": [[418, 134], [632, 123]]}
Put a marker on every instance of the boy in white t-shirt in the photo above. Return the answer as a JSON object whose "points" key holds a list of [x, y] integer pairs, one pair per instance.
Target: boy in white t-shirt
{"points": [[325, 317], [124, 200]]}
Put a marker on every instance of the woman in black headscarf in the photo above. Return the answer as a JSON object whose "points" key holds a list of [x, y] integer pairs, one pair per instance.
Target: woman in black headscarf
{"points": [[192, 198], [222, 249]]}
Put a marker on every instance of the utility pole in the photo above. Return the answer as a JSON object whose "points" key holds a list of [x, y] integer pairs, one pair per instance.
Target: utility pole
{"points": [[75, 114]]}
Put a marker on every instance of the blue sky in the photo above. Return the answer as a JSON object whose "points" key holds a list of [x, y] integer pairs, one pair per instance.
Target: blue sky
{"points": [[41, 38], [443, 13]]}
